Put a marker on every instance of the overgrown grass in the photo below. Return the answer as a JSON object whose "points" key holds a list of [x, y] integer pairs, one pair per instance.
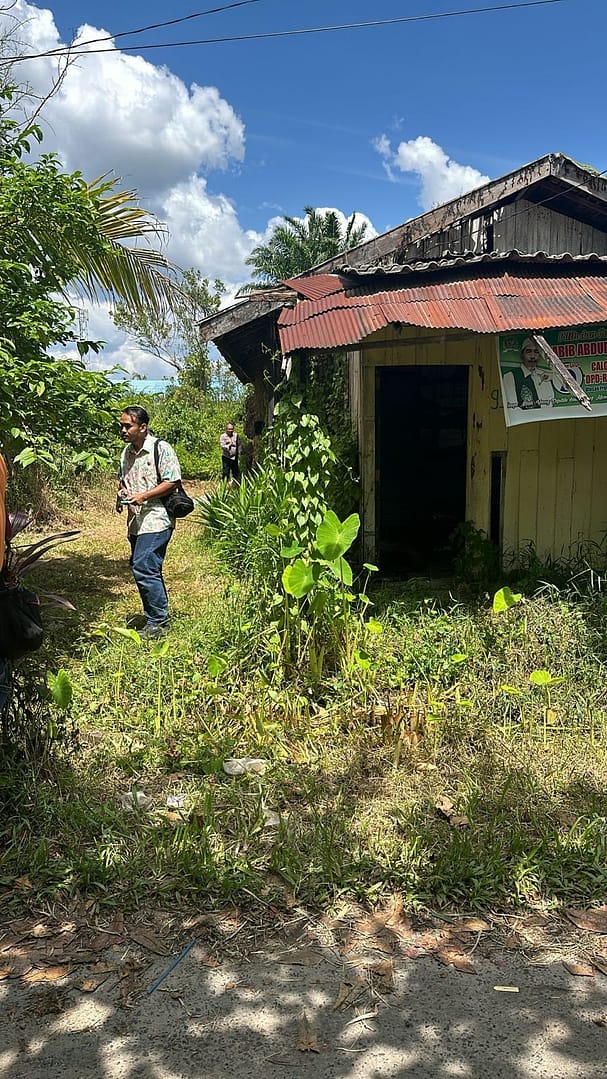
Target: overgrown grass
{"points": [[355, 765]]}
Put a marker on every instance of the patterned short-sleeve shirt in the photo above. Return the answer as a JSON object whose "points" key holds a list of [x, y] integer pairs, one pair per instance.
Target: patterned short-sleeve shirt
{"points": [[138, 472]]}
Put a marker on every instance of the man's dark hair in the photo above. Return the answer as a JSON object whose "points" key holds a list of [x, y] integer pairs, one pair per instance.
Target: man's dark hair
{"points": [[137, 413]]}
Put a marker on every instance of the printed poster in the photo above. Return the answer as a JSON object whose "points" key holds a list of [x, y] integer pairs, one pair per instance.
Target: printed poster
{"points": [[532, 389]]}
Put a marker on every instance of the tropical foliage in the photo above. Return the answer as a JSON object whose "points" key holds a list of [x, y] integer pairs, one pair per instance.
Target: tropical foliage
{"points": [[296, 245], [60, 234], [174, 337]]}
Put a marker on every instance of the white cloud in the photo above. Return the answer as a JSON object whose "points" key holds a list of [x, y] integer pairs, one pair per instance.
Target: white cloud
{"points": [[114, 112], [205, 230], [441, 177], [121, 112]]}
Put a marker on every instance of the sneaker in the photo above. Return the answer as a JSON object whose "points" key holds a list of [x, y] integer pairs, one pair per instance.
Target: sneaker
{"points": [[153, 629]]}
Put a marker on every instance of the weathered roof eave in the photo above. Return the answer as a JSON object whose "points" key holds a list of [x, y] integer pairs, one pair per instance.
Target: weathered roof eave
{"points": [[481, 198], [242, 313]]}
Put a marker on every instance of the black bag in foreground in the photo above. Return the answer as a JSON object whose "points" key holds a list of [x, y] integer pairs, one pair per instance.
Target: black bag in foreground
{"points": [[20, 623], [178, 502]]}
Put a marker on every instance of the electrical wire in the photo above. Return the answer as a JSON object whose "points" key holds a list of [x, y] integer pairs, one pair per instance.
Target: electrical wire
{"points": [[80, 51], [158, 25]]}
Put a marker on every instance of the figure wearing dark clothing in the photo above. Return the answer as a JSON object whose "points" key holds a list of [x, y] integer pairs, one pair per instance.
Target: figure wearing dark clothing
{"points": [[231, 450]]}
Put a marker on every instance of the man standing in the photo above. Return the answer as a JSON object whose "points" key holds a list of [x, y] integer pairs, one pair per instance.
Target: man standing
{"points": [[230, 452], [149, 527]]}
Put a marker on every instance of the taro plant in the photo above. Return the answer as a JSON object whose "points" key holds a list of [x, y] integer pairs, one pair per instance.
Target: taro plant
{"points": [[320, 620]]}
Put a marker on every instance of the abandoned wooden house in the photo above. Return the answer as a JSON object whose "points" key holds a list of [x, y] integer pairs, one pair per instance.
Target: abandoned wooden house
{"points": [[454, 324]]}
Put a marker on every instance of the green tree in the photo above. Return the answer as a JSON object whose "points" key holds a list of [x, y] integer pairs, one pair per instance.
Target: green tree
{"points": [[297, 245], [59, 233], [174, 338]]}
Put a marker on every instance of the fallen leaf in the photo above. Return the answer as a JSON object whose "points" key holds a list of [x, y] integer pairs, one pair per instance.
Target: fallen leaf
{"points": [[210, 961], [593, 921], [580, 970], [474, 925], [46, 974], [149, 941], [307, 1041], [513, 942], [127, 981], [600, 1020], [382, 974], [229, 986], [450, 957], [536, 920], [411, 952], [92, 983], [600, 963], [445, 806], [101, 942], [117, 923], [41, 930], [349, 991], [458, 821]]}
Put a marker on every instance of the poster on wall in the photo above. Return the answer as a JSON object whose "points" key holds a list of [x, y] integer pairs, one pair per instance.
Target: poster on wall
{"points": [[532, 389]]}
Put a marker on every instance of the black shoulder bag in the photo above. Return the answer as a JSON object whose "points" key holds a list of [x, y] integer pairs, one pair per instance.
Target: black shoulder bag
{"points": [[178, 502]]}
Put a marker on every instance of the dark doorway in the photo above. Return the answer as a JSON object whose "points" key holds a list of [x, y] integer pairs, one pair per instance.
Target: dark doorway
{"points": [[421, 432]]}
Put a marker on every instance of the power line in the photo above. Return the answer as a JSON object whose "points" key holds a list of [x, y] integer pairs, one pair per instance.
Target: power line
{"points": [[155, 25], [71, 52]]}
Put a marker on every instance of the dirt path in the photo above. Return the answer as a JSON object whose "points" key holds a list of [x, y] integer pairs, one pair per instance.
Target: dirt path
{"points": [[361, 996]]}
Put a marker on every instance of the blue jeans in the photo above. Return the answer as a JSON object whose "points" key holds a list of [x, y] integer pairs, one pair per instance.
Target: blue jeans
{"points": [[147, 555]]}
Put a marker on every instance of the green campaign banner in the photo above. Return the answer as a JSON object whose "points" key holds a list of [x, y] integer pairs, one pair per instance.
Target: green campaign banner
{"points": [[533, 390]]}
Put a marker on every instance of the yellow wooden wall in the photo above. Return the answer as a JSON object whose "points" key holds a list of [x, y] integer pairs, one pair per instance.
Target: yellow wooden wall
{"points": [[555, 494]]}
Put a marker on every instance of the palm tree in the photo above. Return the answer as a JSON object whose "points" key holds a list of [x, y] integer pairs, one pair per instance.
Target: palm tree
{"points": [[91, 238], [140, 276], [297, 245]]}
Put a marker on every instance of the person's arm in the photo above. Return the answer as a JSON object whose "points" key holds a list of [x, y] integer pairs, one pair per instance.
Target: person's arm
{"points": [[159, 491]]}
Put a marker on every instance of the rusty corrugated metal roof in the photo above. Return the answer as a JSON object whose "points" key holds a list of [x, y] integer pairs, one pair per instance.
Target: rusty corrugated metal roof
{"points": [[515, 298], [321, 284], [452, 259]]}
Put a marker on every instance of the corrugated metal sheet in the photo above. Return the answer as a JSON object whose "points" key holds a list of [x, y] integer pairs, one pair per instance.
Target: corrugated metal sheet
{"points": [[497, 303], [452, 259], [322, 284]]}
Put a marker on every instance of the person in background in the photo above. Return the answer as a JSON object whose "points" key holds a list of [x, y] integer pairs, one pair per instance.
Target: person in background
{"points": [[231, 450], [5, 680], [149, 527]]}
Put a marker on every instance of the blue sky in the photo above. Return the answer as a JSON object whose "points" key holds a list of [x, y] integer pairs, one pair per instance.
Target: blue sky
{"points": [[387, 121]]}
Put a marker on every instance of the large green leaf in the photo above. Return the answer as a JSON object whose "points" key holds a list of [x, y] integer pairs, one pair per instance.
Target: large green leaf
{"points": [[298, 579], [504, 599], [61, 688], [342, 570], [335, 537]]}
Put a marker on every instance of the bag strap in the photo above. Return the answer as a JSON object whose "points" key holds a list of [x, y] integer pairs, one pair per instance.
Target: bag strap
{"points": [[156, 460]]}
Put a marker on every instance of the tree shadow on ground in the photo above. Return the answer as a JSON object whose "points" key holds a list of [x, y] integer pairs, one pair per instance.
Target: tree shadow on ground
{"points": [[272, 1008]]}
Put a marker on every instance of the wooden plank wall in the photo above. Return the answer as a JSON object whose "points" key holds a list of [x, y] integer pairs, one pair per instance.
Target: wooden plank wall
{"points": [[520, 226], [525, 226], [555, 495]]}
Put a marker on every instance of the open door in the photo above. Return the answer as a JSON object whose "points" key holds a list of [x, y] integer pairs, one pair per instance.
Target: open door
{"points": [[421, 436]]}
